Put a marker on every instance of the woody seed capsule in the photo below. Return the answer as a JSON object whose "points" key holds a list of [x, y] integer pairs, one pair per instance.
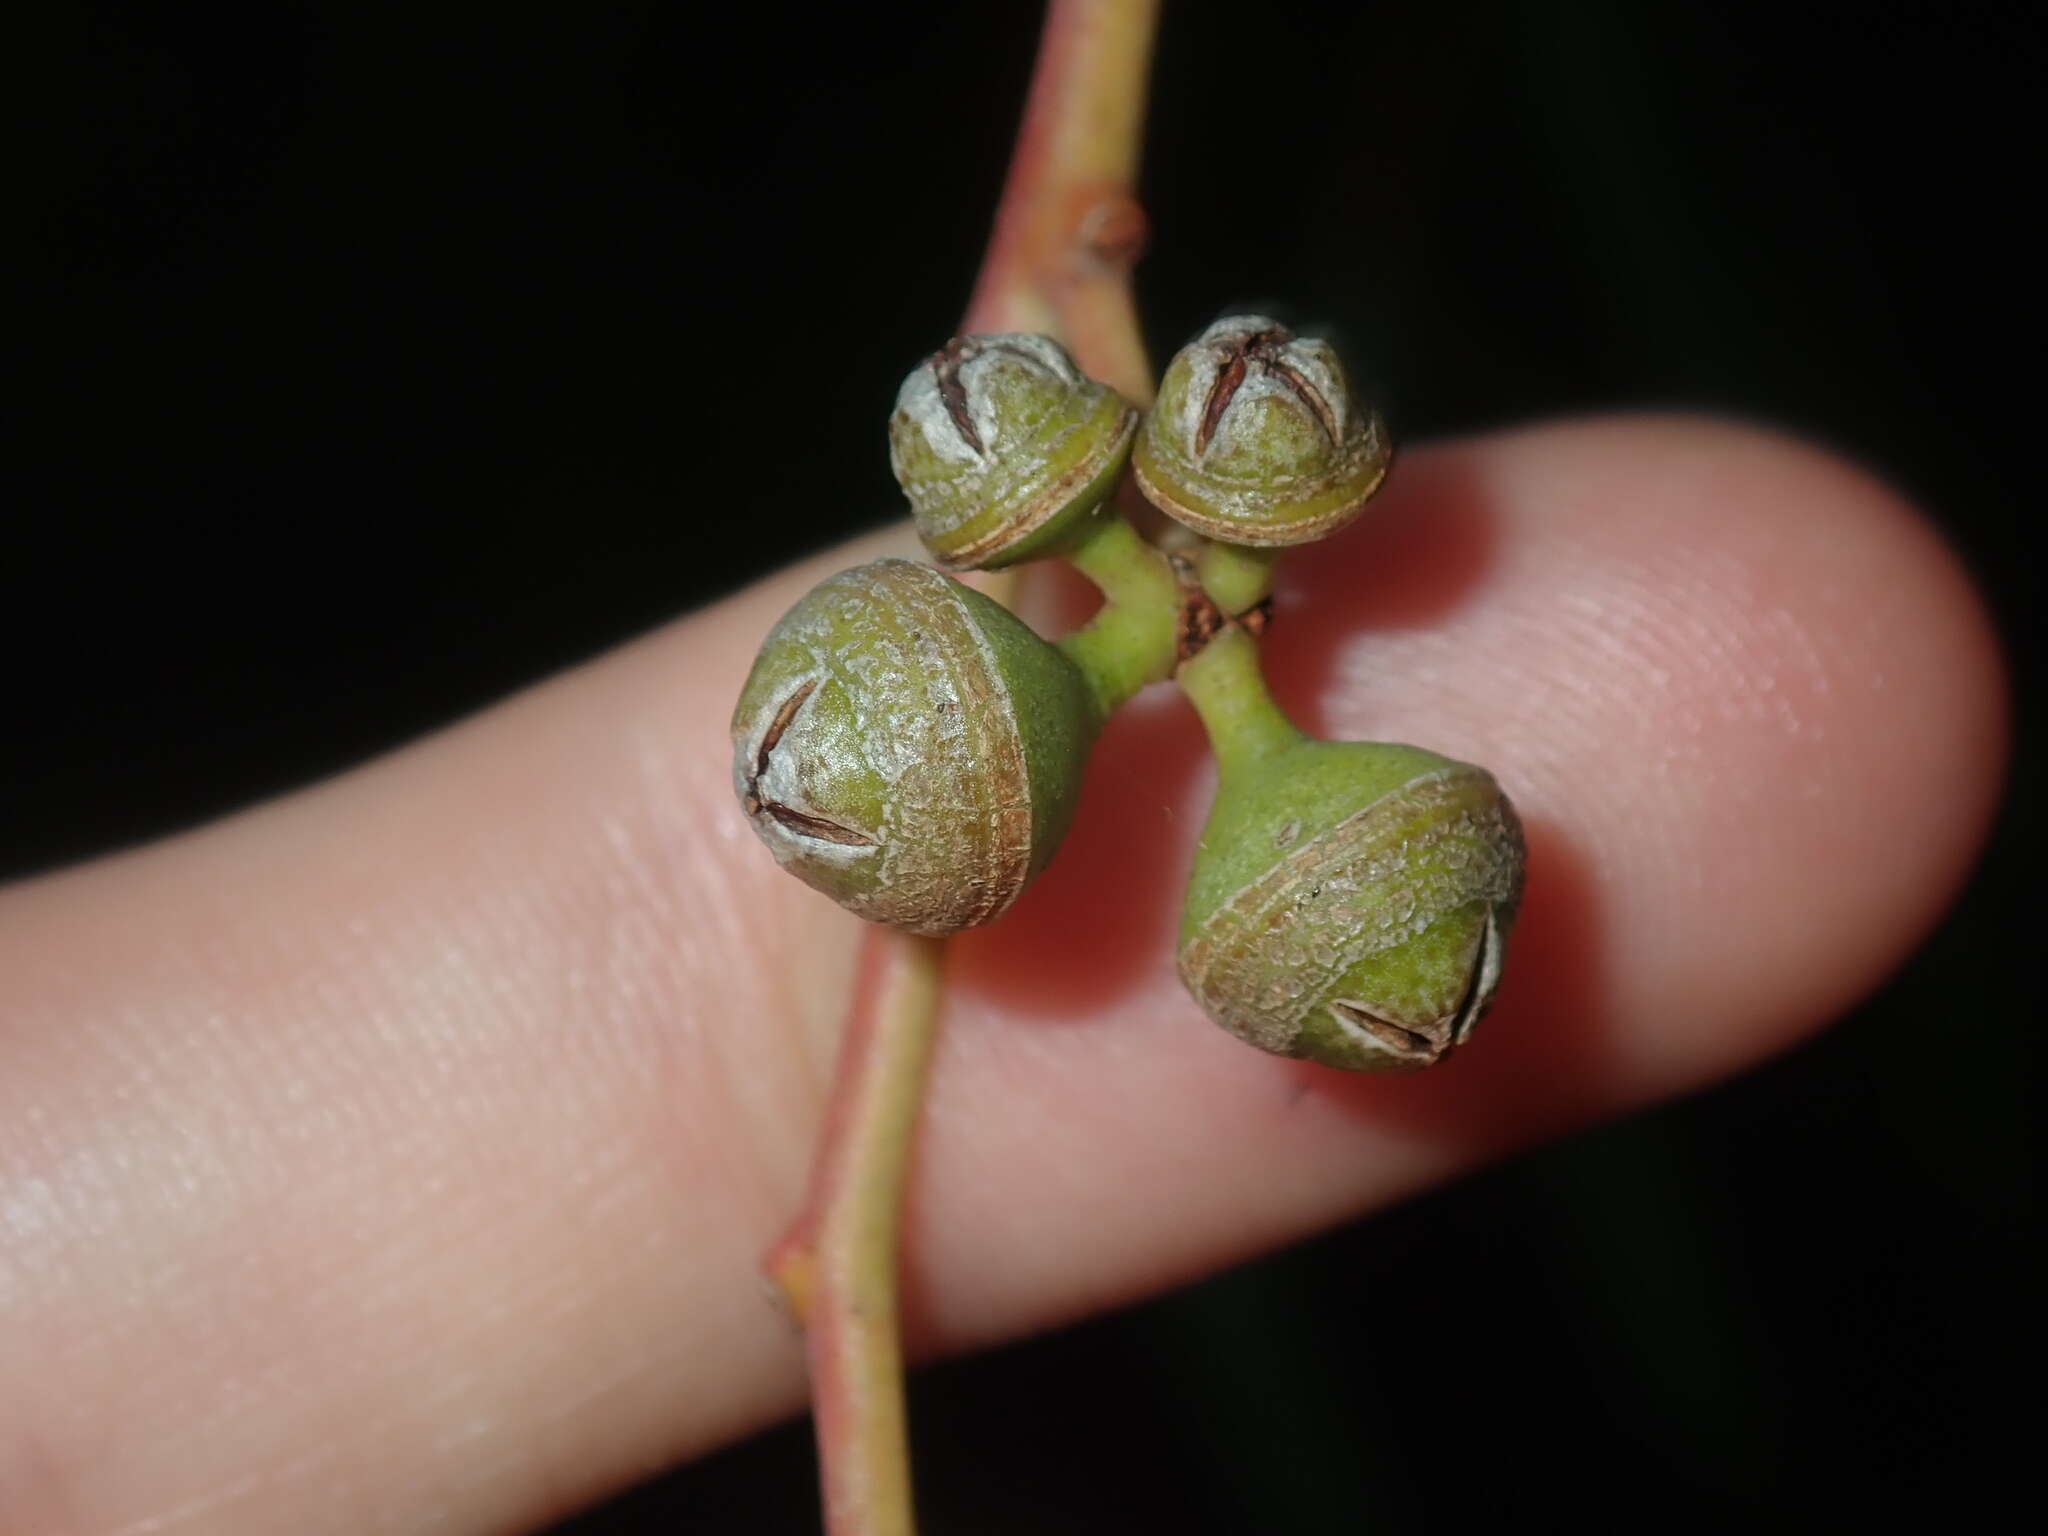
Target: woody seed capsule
{"points": [[1257, 439], [1351, 904], [909, 747], [1003, 447]]}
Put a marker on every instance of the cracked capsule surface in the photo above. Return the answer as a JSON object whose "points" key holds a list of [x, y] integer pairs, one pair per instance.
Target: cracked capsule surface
{"points": [[909, 747], [1257, 438], [1003, 447], [1351, 904]]}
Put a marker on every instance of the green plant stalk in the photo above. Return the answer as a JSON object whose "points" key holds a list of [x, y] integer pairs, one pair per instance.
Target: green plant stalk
{"points": [[1244, 724], [1130, 641], [1236, 577]]}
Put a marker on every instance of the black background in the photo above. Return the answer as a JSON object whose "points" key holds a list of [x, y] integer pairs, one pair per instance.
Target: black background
{"points": [[376, 364]]}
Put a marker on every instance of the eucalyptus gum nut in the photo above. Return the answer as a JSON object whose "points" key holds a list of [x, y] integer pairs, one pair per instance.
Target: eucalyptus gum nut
{"points": [[909, 747], [1004, 447], [1351, 903], [1257, 439]]}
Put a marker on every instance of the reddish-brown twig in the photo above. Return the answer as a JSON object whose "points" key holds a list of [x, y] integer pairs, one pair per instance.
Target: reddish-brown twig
{"points": [[1059, 260]]}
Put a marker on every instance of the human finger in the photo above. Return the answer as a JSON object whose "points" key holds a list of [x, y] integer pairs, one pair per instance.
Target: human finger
{"points": [[408, 1145]]}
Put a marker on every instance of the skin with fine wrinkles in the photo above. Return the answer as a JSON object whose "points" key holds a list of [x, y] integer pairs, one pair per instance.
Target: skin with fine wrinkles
{"points": [[397, 1155]]}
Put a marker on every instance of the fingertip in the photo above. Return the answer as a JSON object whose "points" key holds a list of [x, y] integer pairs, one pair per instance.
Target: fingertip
{"points": [[1865, 702], [1746, 683]]}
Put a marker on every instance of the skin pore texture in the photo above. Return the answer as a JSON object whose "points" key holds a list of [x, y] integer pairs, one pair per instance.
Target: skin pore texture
{"points": [[399, 1155]]}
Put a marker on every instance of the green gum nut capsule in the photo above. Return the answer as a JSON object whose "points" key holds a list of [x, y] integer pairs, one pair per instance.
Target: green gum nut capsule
{"points": [[1257, 439], [1004, 447], [1351, 903], [909, 747]]}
